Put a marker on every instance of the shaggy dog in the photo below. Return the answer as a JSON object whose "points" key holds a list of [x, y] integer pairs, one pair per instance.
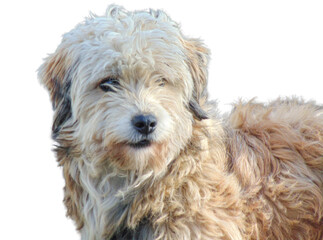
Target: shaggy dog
{"points": [[145, 156]]}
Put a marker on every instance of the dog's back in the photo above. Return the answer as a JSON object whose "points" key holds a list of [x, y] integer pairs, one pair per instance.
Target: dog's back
{"points": [[276, 151]]}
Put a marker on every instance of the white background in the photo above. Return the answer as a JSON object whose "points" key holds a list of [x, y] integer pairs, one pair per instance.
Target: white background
{"points": [[259, 48]]}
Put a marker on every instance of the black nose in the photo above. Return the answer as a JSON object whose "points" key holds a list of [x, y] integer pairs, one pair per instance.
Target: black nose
{"points": [[144, 124]]}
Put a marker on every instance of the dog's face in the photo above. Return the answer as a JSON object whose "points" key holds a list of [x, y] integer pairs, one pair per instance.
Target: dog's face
{"points": [[126, 88]]}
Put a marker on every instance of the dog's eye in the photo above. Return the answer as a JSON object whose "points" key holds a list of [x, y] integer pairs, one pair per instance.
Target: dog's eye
{"points": [[109, 84], [161, 82]]}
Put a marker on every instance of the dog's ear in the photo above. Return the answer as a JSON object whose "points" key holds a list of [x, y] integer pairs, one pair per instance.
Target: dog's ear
{"points": [[55, 75], [197, 61]]}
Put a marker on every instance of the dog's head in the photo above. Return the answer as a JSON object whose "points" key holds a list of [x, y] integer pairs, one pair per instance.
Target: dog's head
{"points": [[126, 88]]}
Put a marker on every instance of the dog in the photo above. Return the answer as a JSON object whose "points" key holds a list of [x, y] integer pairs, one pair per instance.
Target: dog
{"points": [[145, 155]]}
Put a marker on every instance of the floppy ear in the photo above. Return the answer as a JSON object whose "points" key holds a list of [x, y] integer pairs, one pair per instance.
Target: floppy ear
{"points": [[197, 61], [55, 75]]}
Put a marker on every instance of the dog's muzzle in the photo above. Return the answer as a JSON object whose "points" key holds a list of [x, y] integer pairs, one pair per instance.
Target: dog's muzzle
{"points": [[144, 125]]}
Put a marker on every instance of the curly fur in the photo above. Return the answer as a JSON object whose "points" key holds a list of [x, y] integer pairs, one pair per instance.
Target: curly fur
{"points": [[255, 174]]}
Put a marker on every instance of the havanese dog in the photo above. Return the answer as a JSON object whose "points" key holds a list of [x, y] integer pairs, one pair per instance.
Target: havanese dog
{"points": [[146, 156]]}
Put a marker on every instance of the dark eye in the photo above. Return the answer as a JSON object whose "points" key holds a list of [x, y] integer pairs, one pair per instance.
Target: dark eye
{"points": [[161, 82], [109, 84]]}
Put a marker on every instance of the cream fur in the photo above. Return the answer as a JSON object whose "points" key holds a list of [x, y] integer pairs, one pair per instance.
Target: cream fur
{"points": [[256, 174]]}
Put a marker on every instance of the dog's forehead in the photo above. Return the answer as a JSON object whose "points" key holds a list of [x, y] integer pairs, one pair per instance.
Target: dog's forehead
{"points": [[140, 32], [131, 47]]}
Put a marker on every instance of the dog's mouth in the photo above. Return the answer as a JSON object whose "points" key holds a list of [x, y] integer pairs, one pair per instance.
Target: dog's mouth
{"points": [[141, 144]]}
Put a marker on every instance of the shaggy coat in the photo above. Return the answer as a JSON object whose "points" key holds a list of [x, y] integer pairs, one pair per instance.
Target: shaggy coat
{"points": [[254, 174]]}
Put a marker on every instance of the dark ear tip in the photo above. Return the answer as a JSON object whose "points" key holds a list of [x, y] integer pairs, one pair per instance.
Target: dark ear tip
{"points": [[197, 111]]}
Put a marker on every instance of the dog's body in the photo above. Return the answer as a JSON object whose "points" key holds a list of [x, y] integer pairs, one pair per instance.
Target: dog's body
{"points": [[145, 156]]}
